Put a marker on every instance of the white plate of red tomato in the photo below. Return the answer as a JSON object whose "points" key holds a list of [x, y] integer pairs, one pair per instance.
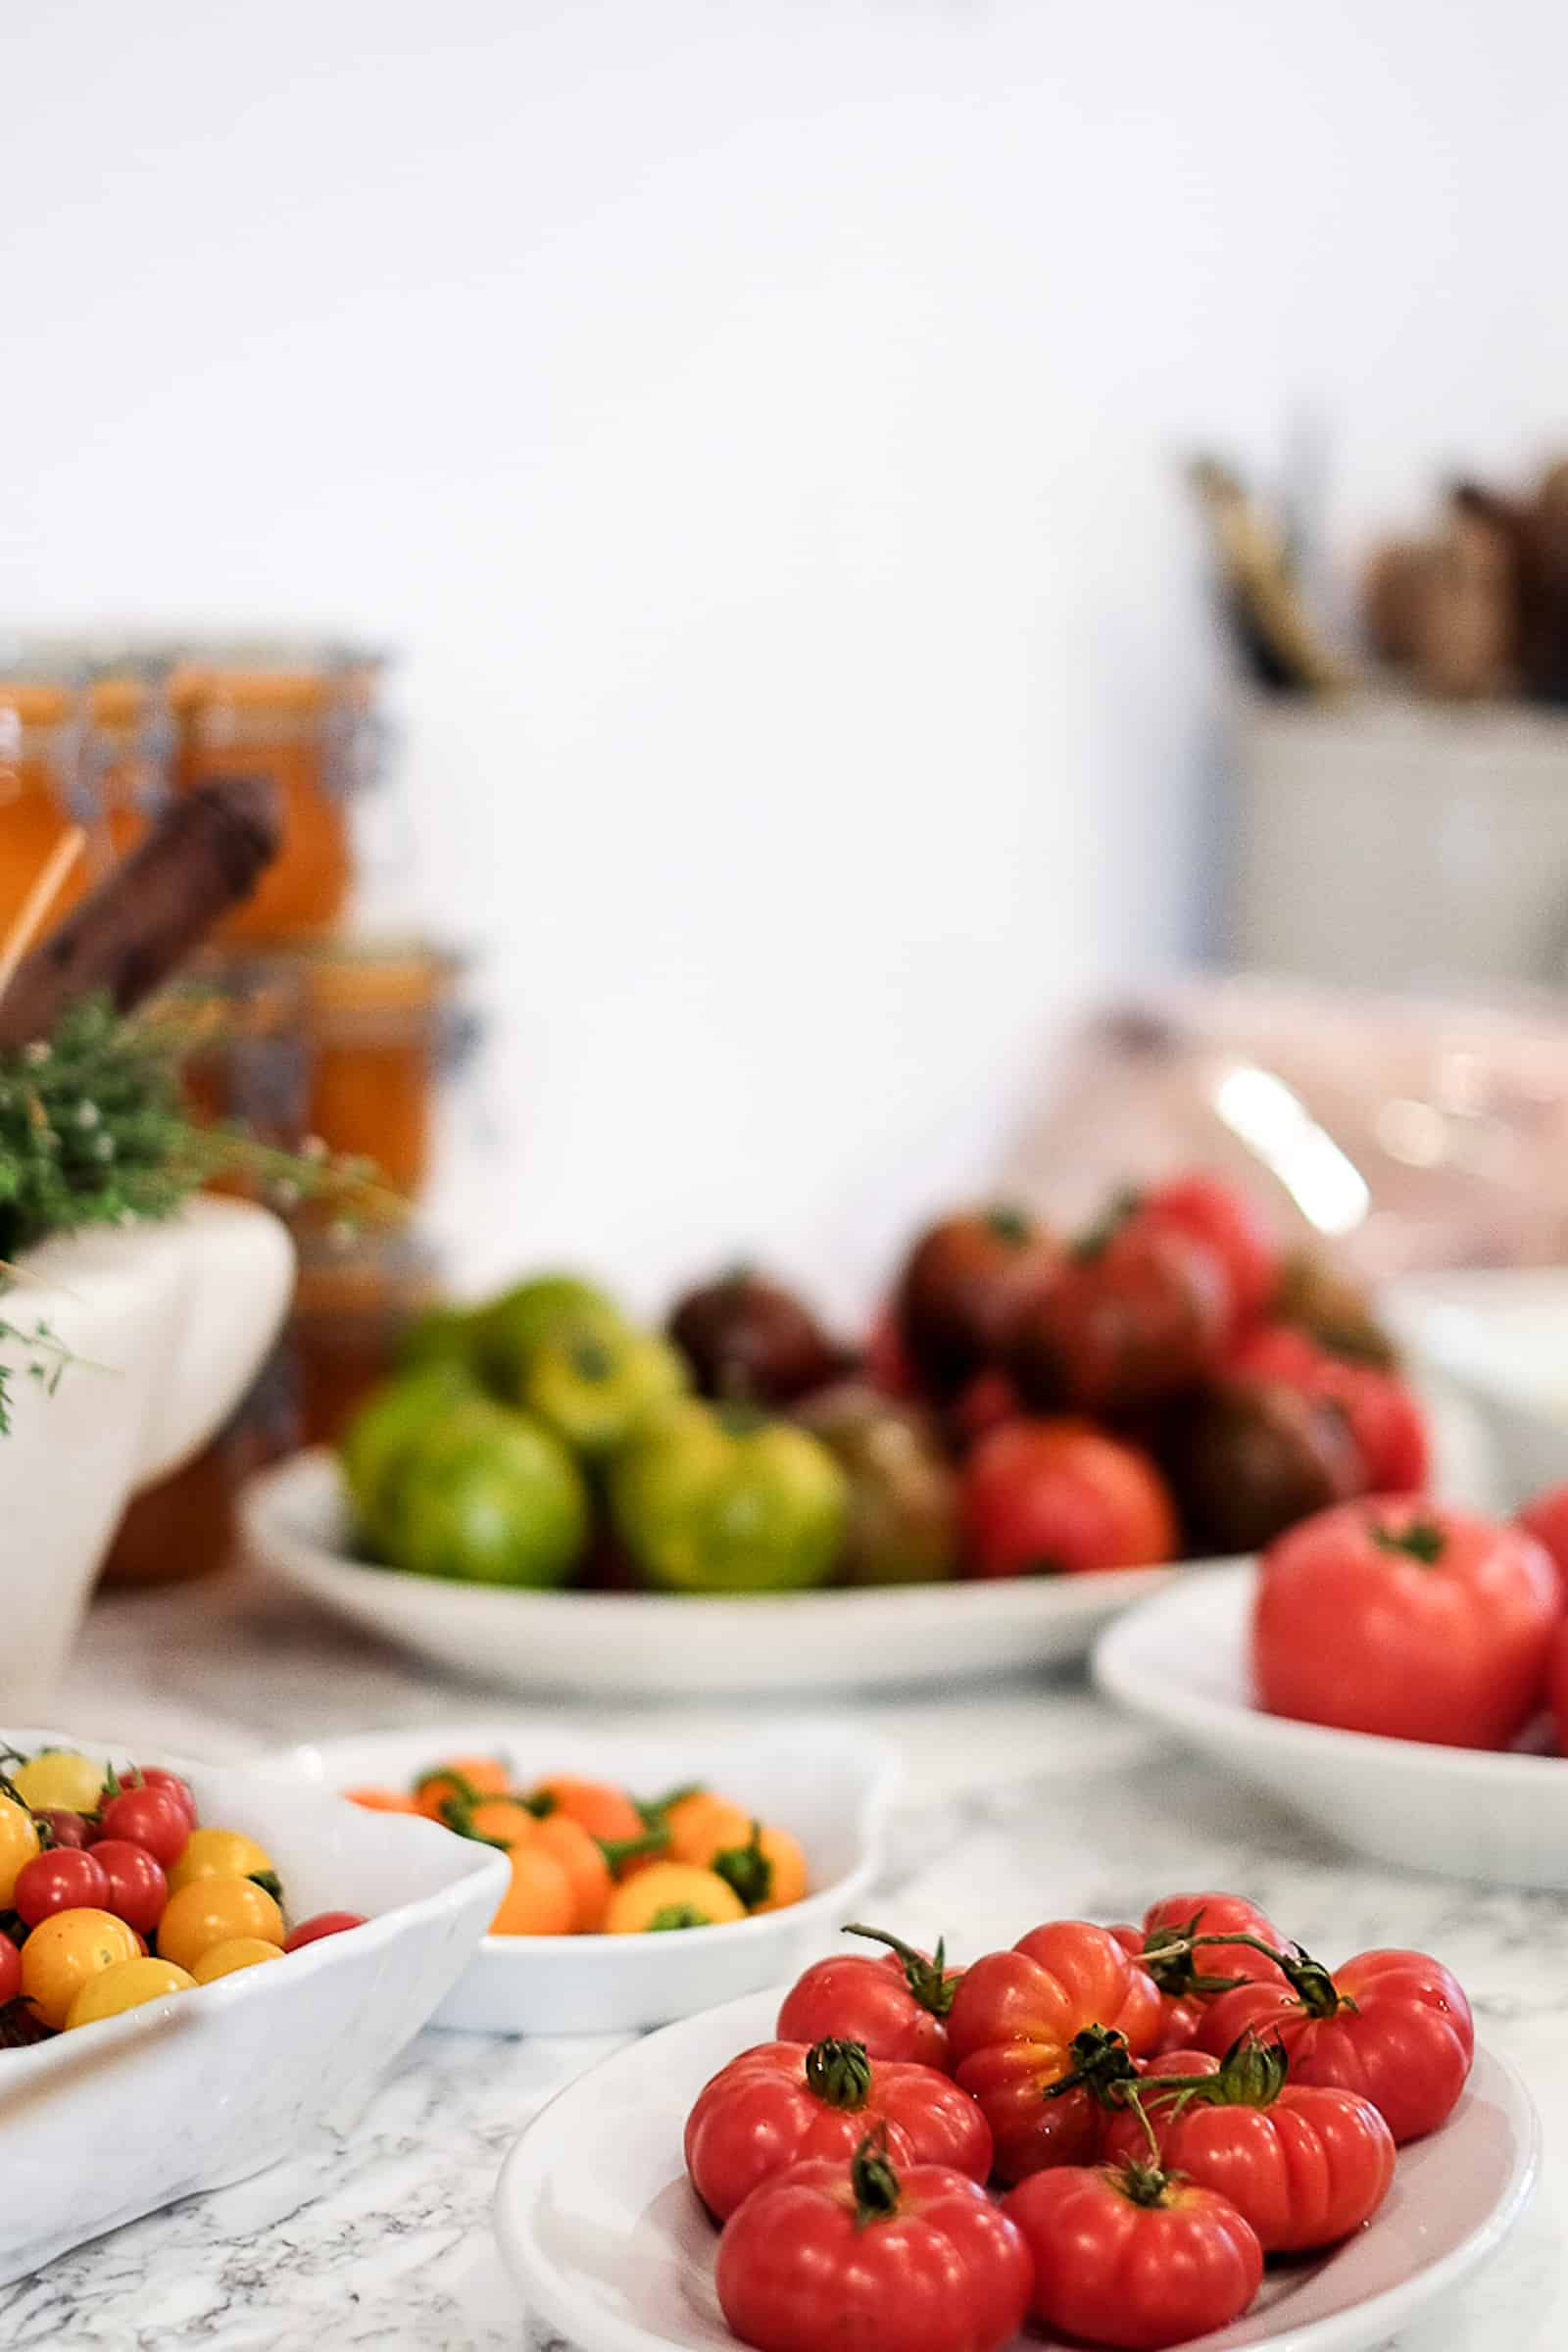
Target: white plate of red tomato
{"points": [[1133, 2138], [1136, 1397], [1396, 1669]]}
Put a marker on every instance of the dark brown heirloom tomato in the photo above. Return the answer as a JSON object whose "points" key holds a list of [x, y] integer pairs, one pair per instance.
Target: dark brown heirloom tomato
{"points": [[749, 1341], [1252, 1458], [1129, 1318], [961, 1287]]}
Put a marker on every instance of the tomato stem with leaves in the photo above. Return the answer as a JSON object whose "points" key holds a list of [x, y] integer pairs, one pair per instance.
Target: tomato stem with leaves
{"points": [[877, 2193], [839, 2074], [927, 1980], [746, 1870]]}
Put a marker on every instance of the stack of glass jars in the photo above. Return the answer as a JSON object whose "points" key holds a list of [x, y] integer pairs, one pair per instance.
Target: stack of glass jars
{"points": [[321, 1037]]}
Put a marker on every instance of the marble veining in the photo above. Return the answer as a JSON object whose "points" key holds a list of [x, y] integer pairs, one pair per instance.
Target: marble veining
{"points": [[1022, 1800]]}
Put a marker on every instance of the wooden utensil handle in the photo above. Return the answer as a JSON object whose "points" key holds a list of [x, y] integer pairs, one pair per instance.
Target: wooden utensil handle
{"points": [[205, 855]]}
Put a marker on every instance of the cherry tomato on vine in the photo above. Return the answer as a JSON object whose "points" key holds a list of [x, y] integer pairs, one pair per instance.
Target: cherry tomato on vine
{"points": [[59, 1776], [65, 1829], [1304, 2163], [64, 1952], [1133, 2257], [895, 2003], [19, 1843], [1405, 1618], [887, 2257], [148, 1817], [153, 1776], [779, 2103], [1392, 2026], [1189, 1981], [63, 1880], [324, 1922], [136, 1888], [1065, 2000]]}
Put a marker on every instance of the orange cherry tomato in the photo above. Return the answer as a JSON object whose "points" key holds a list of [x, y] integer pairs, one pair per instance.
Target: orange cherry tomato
{"points": [[603, 1811], [464, 1777], [700, 1823], [64, 1952], [383, 1800], [505, 1818], [672, 1894], [129, 1984], [213, 1911], [540, 1901], [583, 1860]]}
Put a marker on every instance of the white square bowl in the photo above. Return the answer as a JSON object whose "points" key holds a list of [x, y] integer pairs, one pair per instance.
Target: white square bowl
{"points": [[827, 1784], [207, 2088]]}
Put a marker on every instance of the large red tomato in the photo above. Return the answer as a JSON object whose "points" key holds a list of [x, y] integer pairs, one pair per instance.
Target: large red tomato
{"points": [[1125, 1322], [1399, 1617], [1305, 2163], [1189, 1980], [913, 2259], [895, 2005], [1061, 1498], [1547, 1519], [961, 1288], [1557, 1687], [1062, 2000], [782, 2102], [1213, 1211], [1394, 2026], [1133, 2257]]}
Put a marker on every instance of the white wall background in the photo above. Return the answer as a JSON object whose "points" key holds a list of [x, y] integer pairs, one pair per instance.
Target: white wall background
{"points": [[754, 418]]}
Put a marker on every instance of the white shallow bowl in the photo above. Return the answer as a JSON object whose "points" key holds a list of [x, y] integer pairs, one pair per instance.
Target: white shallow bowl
{"points": [[190, 2094], [660, 1643], [1501, 1338], [608, 2244], [828, 1785], [1458, 1812]]}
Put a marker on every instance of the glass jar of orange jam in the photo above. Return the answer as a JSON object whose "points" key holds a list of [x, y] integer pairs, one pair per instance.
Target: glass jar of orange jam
{"points": [[308, 725], [352, 1309], [42, 790], [376, 1020], [128, 756]]}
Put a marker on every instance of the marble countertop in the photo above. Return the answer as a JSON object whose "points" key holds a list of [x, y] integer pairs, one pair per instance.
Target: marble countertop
{"points": [[1023, 1799]]}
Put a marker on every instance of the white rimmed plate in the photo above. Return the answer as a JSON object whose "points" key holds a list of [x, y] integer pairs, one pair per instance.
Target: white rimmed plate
{"points": [[660, 1643], [829, 1784], [207, 2088], [606, 2243], [1460, 1812]]}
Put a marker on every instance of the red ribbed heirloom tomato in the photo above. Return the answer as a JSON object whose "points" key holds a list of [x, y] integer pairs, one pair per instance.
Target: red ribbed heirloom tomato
{"points": [[777, 2104], [1304, 2163], [1136, 1314], [1394, 2026], [1125, 2255], [895, 2005], [887, 2259], [1189, 1981], [1025, 2023]]}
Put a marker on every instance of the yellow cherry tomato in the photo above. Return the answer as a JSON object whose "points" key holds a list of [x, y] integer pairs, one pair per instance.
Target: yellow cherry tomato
{"points": [[219, 1854], [19, 1843], [129, 1984], [58, 1780], [240, 1951], [672, 1894], [64, 1953], [213, 1911]]}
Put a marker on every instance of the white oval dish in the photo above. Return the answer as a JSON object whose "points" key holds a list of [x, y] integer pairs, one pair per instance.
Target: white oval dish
{"points": [[608, 2244], [207, 2088], [829, 1785], [1460, 1812]]}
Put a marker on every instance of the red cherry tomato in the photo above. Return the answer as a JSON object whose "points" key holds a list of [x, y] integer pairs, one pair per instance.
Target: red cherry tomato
{"points": [[1123, 1323], [1547, 1519], [1186, 1980], [1392, 2026], [153, 1776], [65, 1829], [10, 1971], [895, 2005], [887, 2257], [325, 1923], [1212, 1211], [1401, 1617], [63, 1880], [1063, 1498], [1134, 2260], [1023, 2020], [137, 1887], [1304, 2163], [782, 2102], [148, 1817]]}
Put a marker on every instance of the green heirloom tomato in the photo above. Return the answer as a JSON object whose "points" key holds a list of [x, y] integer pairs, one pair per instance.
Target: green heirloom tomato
{"points": [[592, 1387], [720, 1499], [489, 1497], [442, 1335], [389, 1425], [508, 1332]]}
